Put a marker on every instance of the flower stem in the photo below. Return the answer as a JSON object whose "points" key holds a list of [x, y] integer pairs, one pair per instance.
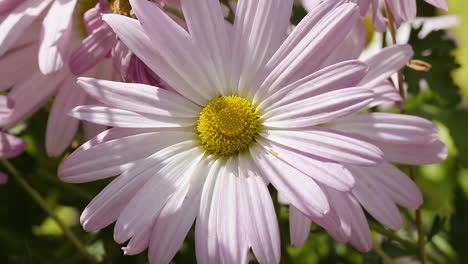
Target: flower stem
{"points": [[43, 204], [385, 258], [419, 224], [401, 90], [393, 31]]}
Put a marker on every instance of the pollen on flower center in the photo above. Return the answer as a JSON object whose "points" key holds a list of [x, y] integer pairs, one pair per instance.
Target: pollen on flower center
{"points": [[121, 7], [228, 125]]}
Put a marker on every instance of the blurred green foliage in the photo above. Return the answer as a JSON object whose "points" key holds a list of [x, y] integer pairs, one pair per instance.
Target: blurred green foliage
{"points": [[28, 235]]}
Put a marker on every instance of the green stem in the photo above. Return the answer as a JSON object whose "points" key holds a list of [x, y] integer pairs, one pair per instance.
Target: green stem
{"points": [[174, 11], [386, 259], [419, 224], [43, 204], [392, 235]]}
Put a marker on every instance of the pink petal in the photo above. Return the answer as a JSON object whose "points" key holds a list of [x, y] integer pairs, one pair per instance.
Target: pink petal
{"points": [[61, 128], [137, 218], [10, 146], [205, 21], [108, 116], [175, 220], [386, 63], [206, 244], [351, 47], [389, 128], [107, 206], [438, 3], [178, 50], [406, 9], [56, 36], [328, 144], [385, 92], [6, 106], [8, 5], [401, 189], [14, 24], [232, 237], [92, 49], [319, 109], [299, 189], [337, 76], [113, 156], [353, 217], [414, 154], [261, 223], [30, 95], [140, 98], [375, 200], [299, 227], [259, 30], [309, 44], [17, 65], [331, 174], [130, 31]]}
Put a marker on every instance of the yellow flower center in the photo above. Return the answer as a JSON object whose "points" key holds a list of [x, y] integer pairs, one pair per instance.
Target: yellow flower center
{"points": [[228, 125], [121, 7]]}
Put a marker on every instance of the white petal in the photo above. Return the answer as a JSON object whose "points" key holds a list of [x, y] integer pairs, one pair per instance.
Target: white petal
{"points": [[375, 200], [56, 36], [139, 98], [386, 63], [61, 128], [261, 223], [206, 240], [414, 154], [138, 218], [299, 189], [329, 173], [108, 116], [176, 218], [389, 128], [30, 95], [299, 227], [328, 144], [17, 65], [106, 207], [205, 22], [309, 44], [111, 157], [353, 220], [131, 32], [259, 29], [10, 146], [338, 76], [232, 238], [177, 48], [401, 189], [319, 109], [14, 24]]}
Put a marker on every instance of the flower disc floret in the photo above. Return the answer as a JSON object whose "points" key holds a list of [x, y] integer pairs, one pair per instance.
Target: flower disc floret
{"points": [[228, 125]]}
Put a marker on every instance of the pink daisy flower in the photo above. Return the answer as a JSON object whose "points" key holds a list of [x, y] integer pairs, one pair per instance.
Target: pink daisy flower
{"points": [[245, 113], [403, 10], [403, 139], [36, 60], [35, 51]]}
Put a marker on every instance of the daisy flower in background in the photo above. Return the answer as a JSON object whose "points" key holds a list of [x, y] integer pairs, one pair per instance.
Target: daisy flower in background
{"points": [[10, 146], [402, 10], [245, 113], [38, 61]]}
